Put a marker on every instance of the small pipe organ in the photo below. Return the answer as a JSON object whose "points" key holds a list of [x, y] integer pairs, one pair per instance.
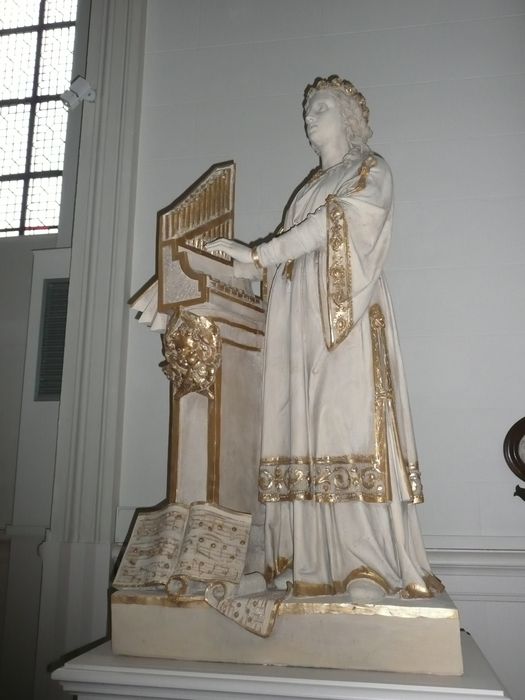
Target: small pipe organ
{"points": [[214, 428]]}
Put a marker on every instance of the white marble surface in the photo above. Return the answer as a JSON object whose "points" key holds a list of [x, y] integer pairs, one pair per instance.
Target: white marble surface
{"points": [[99, 673]]}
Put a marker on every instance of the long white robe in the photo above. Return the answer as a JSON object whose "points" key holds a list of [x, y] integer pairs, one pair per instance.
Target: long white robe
{"points": [[338, 471]]}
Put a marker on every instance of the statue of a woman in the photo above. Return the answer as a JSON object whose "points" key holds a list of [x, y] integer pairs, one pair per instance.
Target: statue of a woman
{"points": [[338, 472]]}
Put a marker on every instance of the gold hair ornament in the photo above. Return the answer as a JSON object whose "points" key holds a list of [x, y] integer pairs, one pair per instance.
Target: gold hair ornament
{"points": [[334, 82]]}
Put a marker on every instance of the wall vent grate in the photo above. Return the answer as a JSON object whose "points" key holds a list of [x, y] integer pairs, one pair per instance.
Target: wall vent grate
{"points": [[52, 338]]}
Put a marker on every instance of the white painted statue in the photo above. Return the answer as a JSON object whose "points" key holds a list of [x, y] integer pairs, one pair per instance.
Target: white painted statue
{"points": [[338, 472]]}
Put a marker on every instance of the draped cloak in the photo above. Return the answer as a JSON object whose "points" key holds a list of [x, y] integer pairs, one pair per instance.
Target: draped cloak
{"points": [[338, 471]]}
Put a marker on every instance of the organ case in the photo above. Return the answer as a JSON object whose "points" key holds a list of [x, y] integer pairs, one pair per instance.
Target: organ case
{"points": [[214, 436]]}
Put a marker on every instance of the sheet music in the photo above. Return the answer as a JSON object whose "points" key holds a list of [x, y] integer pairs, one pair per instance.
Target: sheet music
{"points": [[215, 544], [202, 542], [153, 548]]}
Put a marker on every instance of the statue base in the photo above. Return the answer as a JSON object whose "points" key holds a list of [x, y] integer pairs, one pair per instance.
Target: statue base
{"points": [[413, 636]]}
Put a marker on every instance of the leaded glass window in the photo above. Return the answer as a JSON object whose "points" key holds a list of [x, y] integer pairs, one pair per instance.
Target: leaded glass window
{"points": [[36, 56]]}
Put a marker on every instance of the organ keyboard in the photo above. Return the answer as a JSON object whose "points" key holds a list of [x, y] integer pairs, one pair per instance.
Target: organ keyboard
{"points": [[188, 275]]}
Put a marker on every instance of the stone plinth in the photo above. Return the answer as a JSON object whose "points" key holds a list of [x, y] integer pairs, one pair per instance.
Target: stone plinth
{"points": [[411, 636]]}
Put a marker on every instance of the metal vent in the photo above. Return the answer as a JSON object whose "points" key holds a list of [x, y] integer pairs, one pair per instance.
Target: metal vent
{"points": [[52, 337]]}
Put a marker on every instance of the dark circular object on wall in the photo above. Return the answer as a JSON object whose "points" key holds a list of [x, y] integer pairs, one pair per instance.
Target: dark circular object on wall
{"points": [[514, 449]]}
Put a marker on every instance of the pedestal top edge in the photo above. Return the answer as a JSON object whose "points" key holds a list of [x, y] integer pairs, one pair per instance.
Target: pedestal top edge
{"points": [[438, 607], [103, 666]]}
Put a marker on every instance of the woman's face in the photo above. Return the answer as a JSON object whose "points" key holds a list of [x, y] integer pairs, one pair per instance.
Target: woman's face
{"points": [[323, 120]]}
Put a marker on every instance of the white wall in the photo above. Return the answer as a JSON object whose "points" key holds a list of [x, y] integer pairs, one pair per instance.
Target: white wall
{"points": [[445, 83], [16, 265]]}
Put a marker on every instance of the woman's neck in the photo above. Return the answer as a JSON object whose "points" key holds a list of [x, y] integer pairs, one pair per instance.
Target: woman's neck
{"points": [[332, 154]]}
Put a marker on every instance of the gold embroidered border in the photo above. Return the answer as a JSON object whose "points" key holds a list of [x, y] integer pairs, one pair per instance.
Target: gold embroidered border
{"points": [[383, 391], [339, 263], [384, 399], [364, 172], [322, 479], [338, 274]]}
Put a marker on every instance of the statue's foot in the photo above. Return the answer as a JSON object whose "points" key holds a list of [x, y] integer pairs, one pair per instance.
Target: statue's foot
{"points": [[251, 583], [363, 590], [281, 582]]}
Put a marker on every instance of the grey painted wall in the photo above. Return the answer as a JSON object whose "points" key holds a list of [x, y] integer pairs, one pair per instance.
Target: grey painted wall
{"points": [[16, 265]]}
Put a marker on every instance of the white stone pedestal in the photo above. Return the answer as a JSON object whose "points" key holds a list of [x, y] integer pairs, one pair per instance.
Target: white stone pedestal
{"points": [[412, 636], [102, 675]]}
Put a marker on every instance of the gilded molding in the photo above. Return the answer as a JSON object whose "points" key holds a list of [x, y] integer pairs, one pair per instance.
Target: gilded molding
{"points": [[157, 598], [173, 449], [225, 291], [251, 299], [241, 346], [214, 442], [234, 324], [294, 607]]}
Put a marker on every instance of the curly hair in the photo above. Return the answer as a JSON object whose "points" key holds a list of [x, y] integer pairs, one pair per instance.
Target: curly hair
{"points": [[351, 104]]}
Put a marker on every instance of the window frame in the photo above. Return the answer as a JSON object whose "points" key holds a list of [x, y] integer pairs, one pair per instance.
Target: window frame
{"points": [[62, 233]]}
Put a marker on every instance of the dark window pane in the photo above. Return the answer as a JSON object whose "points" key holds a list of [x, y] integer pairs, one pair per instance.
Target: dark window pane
{"points": [[10, 205], [43, 204], [18, 13], [49, 136], [56, 61], [14, 126], [17, 65]]}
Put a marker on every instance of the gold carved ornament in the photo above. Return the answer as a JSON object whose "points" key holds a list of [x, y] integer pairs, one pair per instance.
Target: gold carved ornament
{"points": [[193, 349]]}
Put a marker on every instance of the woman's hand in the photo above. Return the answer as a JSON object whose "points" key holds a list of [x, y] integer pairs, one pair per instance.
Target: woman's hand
{"points": [[238, 251]]}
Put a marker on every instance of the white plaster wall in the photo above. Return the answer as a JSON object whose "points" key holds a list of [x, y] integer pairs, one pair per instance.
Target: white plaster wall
{"points": [[16, 265], [38, 419], [445, 82]]}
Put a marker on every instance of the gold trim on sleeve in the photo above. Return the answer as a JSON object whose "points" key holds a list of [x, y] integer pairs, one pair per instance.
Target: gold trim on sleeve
{"points": [[256, 259], [338, 274], [339, 262], [364, 172]]}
